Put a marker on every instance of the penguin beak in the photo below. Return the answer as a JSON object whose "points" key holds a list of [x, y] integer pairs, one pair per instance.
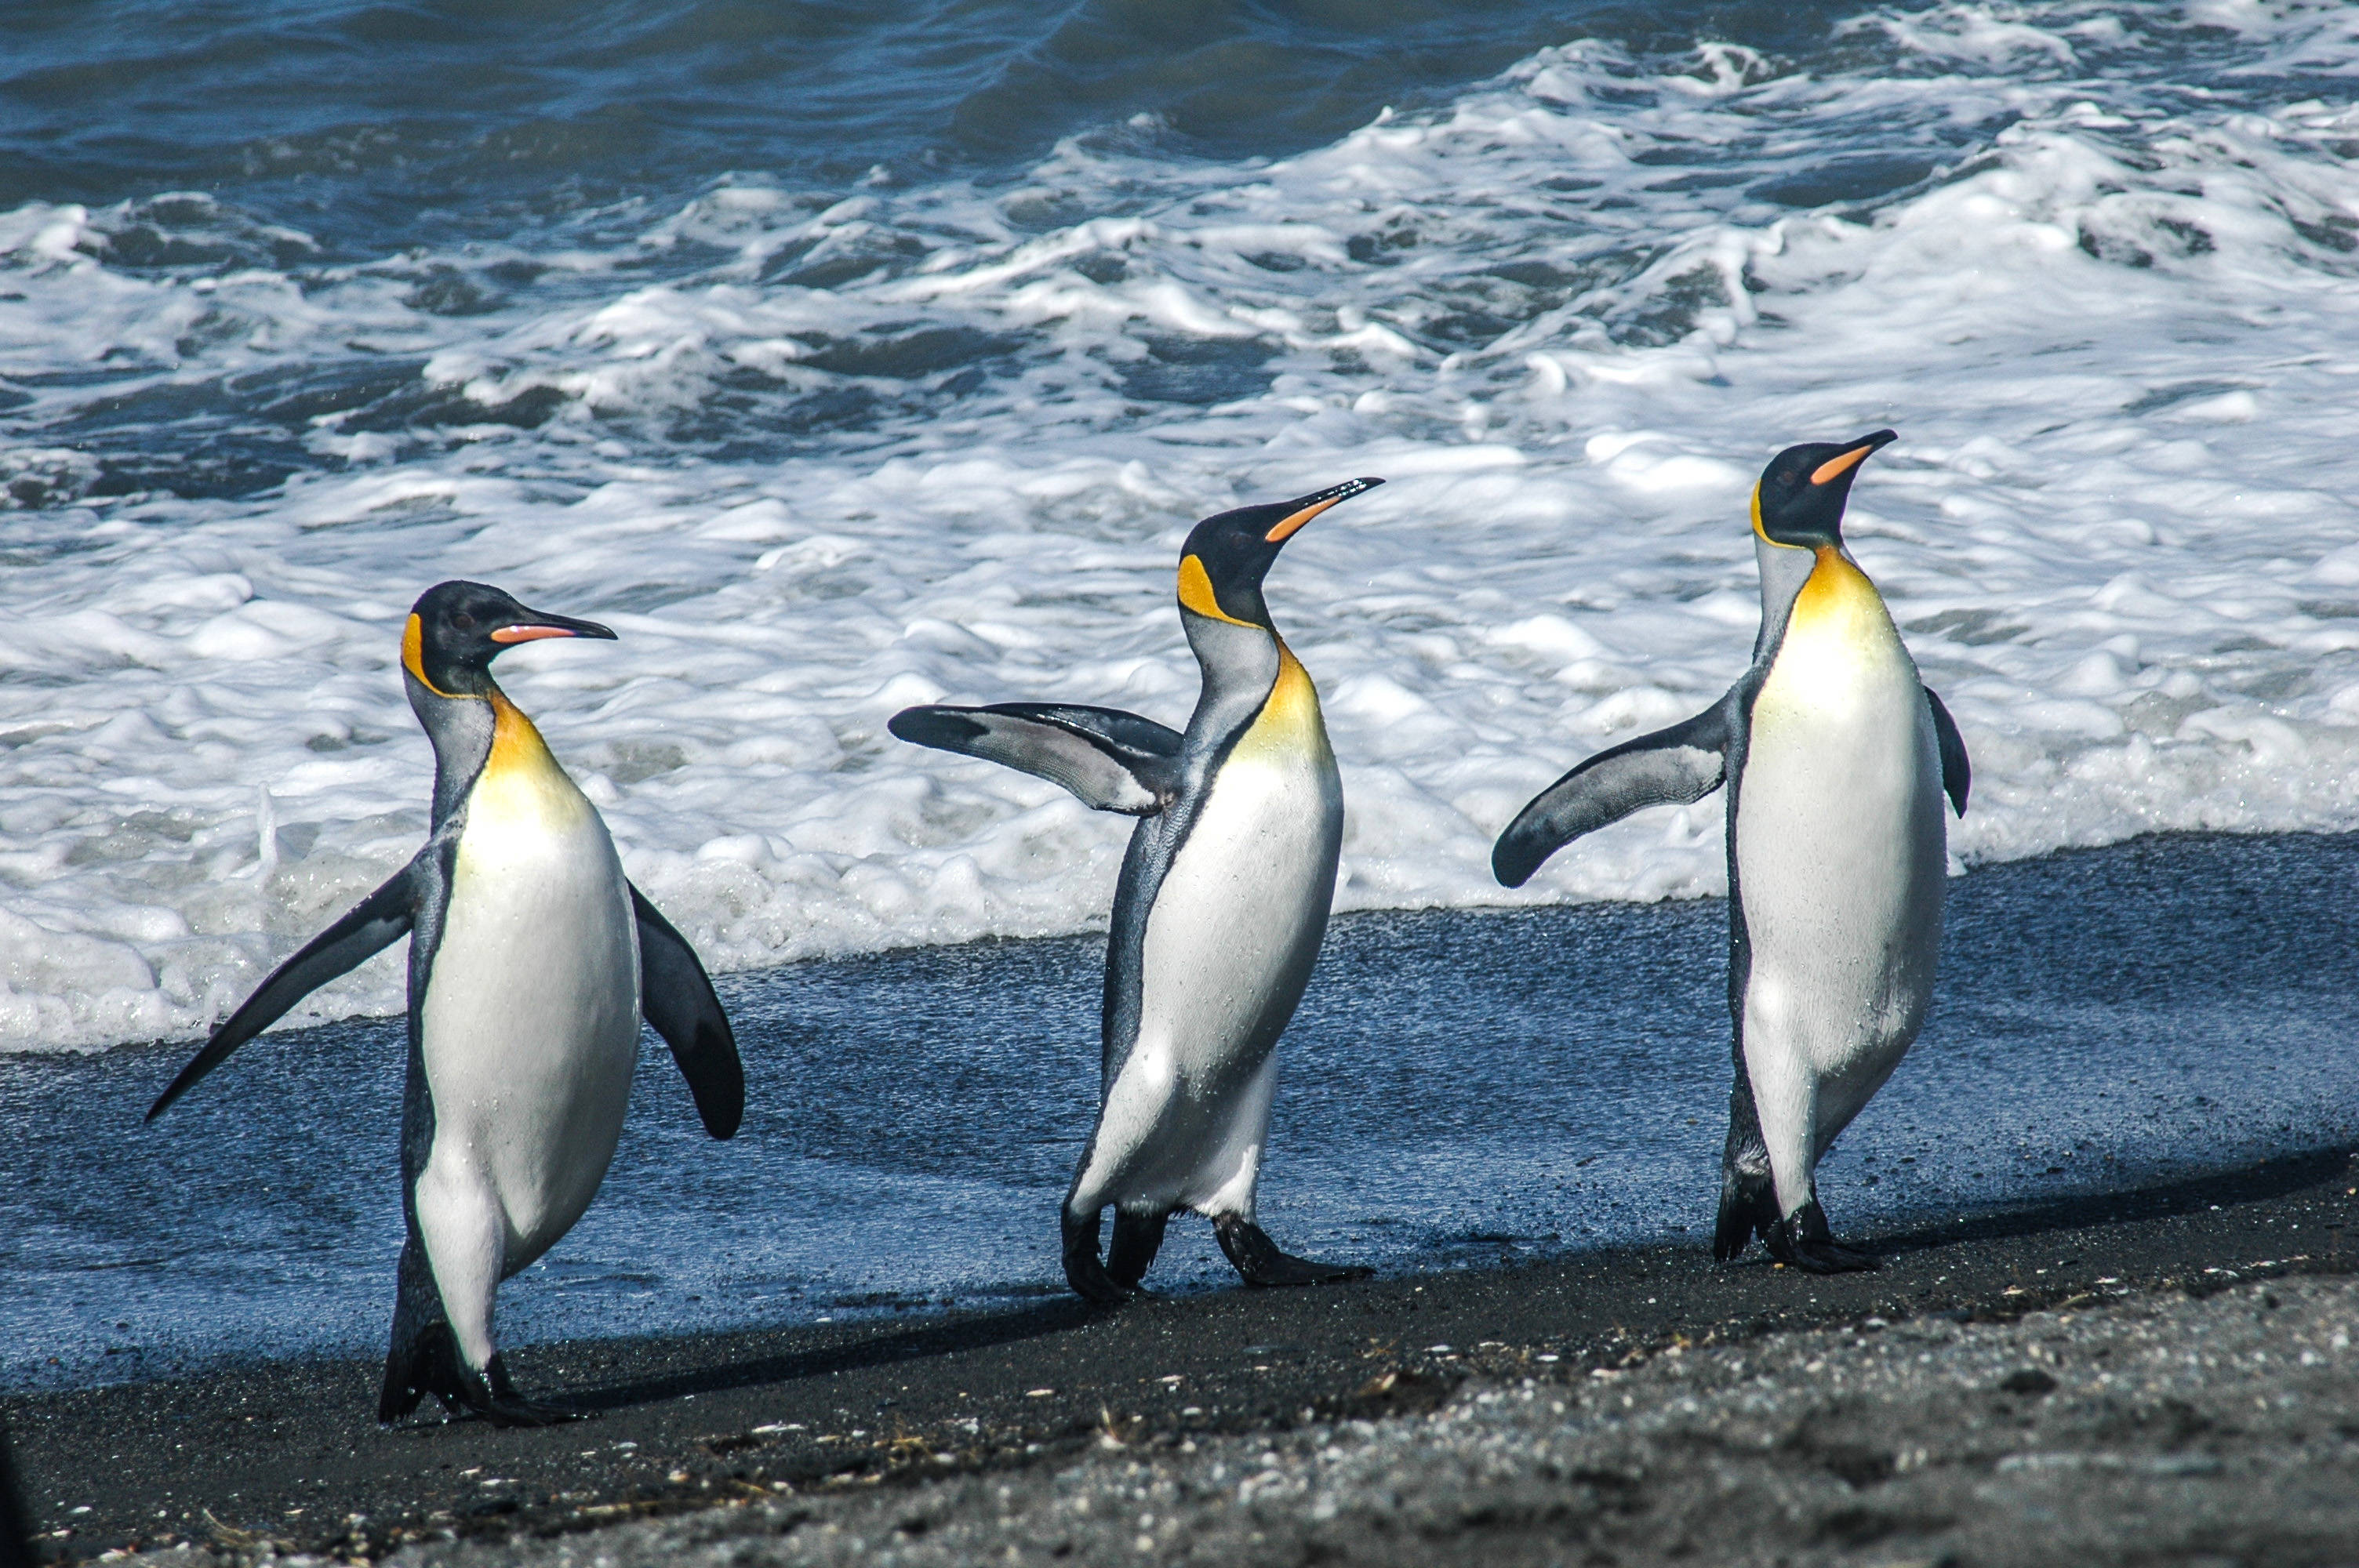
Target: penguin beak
{"points": [[538, 626], [1851, 457], [1301, 512]]}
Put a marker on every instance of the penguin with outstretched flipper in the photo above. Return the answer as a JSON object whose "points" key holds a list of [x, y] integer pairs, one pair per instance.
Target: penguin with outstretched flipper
{"points": [[531, 960], [1836, 758], [1217, 918]]}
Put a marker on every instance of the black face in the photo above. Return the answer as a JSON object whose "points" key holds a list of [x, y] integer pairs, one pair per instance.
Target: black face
{"points": [[1801, 495], [1236, 548], [456, 629]]}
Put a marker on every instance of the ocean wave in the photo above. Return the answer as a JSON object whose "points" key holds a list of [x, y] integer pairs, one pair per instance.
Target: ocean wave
{"points": [[822, 453]]}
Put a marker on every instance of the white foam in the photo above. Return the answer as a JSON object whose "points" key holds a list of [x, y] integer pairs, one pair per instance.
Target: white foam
{"points": [[2116, 329]]}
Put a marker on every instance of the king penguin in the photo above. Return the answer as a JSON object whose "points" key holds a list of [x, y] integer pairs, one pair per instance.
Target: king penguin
{"points": [[531, 961], [1836, 757], [1217, 917]]}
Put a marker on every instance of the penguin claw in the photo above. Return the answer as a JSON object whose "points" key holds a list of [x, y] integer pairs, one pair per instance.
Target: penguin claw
{"points": [[1258, 1260]]}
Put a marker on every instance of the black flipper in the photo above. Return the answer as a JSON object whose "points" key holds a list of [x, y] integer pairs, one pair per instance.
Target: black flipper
{"points": [[1112, 760], [1674, 766], [1138, 1238], [371, 925], [1258, 1262], [1084, 1272], [676, 995], [1956, 775]]}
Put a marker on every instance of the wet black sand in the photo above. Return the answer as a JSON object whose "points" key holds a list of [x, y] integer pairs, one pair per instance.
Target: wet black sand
{"points": [[287, 1453]]}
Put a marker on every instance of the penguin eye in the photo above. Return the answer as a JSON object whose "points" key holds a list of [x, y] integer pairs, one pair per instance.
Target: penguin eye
{"points": [[464, 621]]}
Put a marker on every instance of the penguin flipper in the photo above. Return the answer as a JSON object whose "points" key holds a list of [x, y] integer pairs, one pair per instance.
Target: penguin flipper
{"points": [[1956, 774], [368, 929], [1112, 760], [676, 996], [1674, 766]]}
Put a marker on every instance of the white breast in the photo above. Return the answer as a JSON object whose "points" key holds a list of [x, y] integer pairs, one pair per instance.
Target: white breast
{"points": [[531, 1013], [1839, 844]]}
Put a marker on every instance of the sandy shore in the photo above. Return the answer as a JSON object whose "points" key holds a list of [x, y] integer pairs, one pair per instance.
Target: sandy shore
{"points": [[1631, 1406]]}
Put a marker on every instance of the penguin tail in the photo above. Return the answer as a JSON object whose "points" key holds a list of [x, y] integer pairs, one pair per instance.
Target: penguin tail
{"points": [[1747, 1203], [418, 1365], [1749, 1194], [424, 1355]]}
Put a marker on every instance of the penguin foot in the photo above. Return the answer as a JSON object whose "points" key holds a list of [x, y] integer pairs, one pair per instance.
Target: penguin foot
{"points": [[432, 1366], [495, 1399], [1087, 1275], [1260, 1262], [1093, 1284], [1800, 1240]]}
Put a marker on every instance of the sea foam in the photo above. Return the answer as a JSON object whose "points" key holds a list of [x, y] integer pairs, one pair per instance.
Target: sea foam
{"points": [[818, 455]]}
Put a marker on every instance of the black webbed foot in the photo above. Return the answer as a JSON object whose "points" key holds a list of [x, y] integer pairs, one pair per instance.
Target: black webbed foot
{"points": [[1260, 1262], [1800, 1240], [433, 1366], [495, 1399], [1086, 1273]]}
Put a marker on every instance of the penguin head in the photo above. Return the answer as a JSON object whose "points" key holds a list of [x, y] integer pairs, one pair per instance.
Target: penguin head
{"points": [[1799, 500], [1226, 556], [457, 629]]}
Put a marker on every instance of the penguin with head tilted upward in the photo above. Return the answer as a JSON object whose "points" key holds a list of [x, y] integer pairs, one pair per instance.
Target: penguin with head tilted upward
{"points": [[1218, 915], [531, 961], [1836, 758]]}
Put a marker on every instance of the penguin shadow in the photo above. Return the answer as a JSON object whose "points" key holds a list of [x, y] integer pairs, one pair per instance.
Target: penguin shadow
{"points": [[916, 1342], [2275, 1178], [16, 1520]]}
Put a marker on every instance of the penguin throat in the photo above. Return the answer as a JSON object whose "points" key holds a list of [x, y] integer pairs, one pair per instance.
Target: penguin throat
{"points": [[1837, 602]]}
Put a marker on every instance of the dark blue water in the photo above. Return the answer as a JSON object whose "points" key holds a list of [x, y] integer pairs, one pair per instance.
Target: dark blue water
{"points": [[474, 154], [1459, 1088], [373, 125]]}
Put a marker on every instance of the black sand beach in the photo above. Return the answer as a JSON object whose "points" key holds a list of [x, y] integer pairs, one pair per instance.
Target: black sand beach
{"points": [[280, 1459]]}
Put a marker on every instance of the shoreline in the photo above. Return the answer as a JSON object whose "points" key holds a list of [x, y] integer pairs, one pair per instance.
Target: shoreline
{"points": [[1508, 905], [284, 1457]]}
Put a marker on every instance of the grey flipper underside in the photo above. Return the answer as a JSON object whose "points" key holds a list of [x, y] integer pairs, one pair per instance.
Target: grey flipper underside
{"points": [[1956, 775], [1111, 759], [1673, 766], [676, 995], [371, 925]]}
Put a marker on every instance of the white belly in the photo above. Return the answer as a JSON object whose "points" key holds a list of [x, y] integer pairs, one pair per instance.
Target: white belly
{"points": [[1228, 947], [1842, 863], [530, 1018]]}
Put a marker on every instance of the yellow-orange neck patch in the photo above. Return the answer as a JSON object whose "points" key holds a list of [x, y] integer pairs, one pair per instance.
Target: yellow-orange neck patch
{"points": [[515, 739], [1196, 593], [1835, 590]]}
